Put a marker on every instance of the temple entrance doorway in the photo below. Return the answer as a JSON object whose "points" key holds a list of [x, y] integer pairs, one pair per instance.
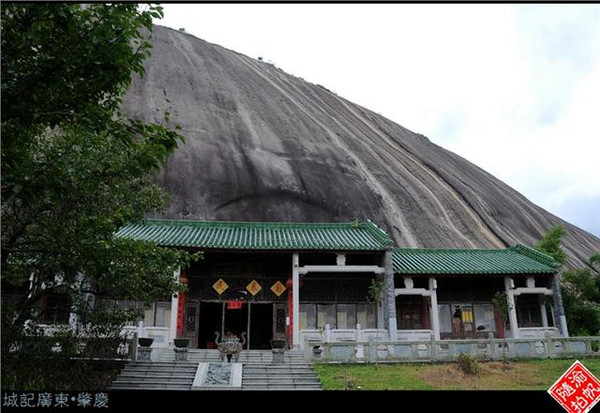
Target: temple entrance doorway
{"points": [[254, 318]]}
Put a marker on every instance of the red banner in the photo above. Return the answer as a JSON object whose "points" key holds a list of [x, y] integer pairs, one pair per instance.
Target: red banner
{"points": [[181, 308], [180, 311], [234, 305]]}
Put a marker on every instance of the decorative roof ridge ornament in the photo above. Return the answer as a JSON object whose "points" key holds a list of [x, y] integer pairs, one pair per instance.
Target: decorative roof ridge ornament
{"points": [[385, 237]]}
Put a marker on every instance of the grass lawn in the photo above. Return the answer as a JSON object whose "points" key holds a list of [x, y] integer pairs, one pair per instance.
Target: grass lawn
{"points": [[516, 375]]}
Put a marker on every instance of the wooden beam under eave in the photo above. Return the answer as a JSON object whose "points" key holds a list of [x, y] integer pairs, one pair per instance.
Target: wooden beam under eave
{"points": [[342, 268]]}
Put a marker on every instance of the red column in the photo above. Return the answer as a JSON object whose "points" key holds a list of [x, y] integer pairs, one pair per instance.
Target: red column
{"points": [[181, 308], [425, 306], [500, 329]]}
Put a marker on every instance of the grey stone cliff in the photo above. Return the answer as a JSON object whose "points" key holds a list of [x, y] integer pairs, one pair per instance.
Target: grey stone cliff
{"points": [[263, 145]]}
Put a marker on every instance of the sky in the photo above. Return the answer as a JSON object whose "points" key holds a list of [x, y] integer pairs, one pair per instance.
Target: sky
{"points": [[514, 89]]}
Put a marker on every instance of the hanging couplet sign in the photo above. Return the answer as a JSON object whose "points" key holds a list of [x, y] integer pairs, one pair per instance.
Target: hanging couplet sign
{"points": [[278, 288], [180, 312], [577, 390], [181, 308], [254, 287], [234, 305], [220, 286]]}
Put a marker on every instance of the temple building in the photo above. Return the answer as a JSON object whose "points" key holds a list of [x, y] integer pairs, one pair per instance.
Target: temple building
{"points": [[303, 282]]}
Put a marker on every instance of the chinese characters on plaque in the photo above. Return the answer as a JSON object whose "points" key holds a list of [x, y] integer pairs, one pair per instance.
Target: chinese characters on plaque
{"points": [[254, 287], [220, 286], [278, 288]]}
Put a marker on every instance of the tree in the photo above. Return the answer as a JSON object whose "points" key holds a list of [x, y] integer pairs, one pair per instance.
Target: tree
{"points": [[75, 168], [595, 262], [580, 287], [550, 243], [581, 295]]}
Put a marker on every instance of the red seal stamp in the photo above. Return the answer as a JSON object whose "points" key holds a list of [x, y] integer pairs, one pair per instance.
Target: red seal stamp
{"points": [[577, 390]]}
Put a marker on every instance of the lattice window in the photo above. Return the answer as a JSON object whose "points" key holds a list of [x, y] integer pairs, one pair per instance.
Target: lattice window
{"points": [[280, 316]]}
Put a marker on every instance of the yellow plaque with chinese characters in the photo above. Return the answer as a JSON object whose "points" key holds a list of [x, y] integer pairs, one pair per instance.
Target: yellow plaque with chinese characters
{"points": [[254, 287], [467, 315], [278, 288], [220, 286]]}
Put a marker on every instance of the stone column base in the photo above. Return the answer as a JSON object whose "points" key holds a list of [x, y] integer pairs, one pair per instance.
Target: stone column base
{"points": [[278, 355], [181, 354], [144, 354]]}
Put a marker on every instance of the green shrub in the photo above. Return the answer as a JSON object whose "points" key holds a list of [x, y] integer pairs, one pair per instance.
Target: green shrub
{"points": [[468, 364]]}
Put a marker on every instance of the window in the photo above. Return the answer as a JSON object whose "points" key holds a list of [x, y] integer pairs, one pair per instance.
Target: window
{"points": [[409, 313], [466, 319], [365, 316], [346, 316], [162, 314], [326, 315], [445, 318], [135, 308], [308, 317], [484, 317], [529, 311], [55, 309], [158, 315], [338, 316]]}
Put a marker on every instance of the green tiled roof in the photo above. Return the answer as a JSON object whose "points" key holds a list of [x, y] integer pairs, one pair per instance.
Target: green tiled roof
{"points": [[260, 236], [514, 260]]}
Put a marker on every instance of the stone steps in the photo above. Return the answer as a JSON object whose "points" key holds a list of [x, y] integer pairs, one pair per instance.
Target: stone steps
{"points": [[156, 376], [266, 384], [155, 380], [162, 363], [272, 387], [147, 386], [251, 357], [278, 367], [303, 375], [161, 375], [280, 377], [258, 373], [291, 377], [173, 367]]}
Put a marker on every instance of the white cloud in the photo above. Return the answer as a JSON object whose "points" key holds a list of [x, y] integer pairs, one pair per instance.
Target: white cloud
{"points": [[551, 158], [513, 88]]}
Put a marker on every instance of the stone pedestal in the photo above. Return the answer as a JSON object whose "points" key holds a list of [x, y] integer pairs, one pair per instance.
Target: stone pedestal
{"points": [[278, 355], [144, 353], [181, 354]]}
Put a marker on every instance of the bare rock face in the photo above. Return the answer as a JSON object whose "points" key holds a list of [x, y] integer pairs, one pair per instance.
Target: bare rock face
{"points": [[262, 145]]}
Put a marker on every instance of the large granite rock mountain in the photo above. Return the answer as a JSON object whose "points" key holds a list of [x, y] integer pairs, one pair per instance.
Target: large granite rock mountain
{"points": [[262, 145]]}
